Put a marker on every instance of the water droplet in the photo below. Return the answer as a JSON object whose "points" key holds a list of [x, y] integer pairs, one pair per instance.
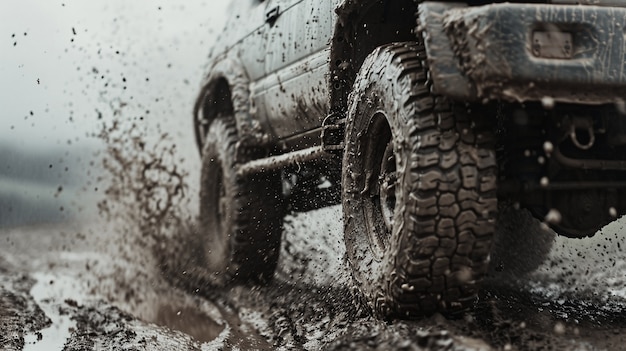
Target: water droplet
{"points": [[548, 147], [407, 287], [553, 216], [547, 102], [559, 328]]}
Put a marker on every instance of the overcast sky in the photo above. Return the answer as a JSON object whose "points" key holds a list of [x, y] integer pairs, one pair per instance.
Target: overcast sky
{"points": [[65, 64], [62, 62]]}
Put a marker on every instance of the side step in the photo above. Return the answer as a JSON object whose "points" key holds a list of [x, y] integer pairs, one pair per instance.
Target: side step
{"points": [[281, 161]]}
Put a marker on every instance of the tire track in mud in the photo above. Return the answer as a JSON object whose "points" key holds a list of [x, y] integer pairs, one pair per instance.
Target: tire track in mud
{"points": [[309, 305]]}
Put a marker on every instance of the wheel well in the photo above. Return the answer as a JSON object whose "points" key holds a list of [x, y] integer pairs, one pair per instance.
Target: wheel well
{"points": [[215, 101], [358, 32], [218, 101]]}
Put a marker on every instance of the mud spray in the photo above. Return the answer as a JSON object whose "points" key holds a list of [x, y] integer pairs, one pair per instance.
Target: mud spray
{"points": [[147, 191], [147, 202], [154, 235]]}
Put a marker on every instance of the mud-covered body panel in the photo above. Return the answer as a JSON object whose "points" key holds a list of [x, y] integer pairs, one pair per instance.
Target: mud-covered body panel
{"points": [[298, 57], [495, 51], [422, 99]]}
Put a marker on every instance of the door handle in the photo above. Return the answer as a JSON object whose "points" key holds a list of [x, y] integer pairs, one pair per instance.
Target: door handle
{"points": [[272, 15]]}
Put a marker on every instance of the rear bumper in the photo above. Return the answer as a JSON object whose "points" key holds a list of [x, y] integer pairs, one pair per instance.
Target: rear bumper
{"points": [[494, 52]]}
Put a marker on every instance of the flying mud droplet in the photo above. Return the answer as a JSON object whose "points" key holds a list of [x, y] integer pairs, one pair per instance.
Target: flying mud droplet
{"points": [[407, 287], [548, 148], [464, 275], [559, 328], [544, 182], [553, 216], [547, 102], [613, 212]]}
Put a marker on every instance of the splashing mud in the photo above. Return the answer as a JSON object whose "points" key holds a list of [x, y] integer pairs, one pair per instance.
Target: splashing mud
{"points": [[146, 201], [148, 187]]}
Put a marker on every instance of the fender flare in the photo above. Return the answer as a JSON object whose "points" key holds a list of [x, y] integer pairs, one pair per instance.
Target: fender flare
{"points": [[235, 75], [350, 14], [346, 11]]}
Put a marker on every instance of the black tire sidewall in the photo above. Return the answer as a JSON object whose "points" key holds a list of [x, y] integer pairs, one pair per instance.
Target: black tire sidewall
{"points": [[372, 273], [218, 151], [249, 244]]}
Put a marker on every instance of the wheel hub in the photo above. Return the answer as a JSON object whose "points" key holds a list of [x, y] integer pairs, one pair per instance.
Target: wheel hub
{"points": [[218, 199], [387, 186], [380, 184], [222, 202]]}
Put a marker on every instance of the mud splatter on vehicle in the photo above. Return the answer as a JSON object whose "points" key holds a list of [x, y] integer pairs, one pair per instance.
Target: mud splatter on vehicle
{"points": [[423, 116], [138, 278]]}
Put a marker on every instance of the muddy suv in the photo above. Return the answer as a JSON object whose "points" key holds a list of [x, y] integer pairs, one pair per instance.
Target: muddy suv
{"points": [[420, 118]]}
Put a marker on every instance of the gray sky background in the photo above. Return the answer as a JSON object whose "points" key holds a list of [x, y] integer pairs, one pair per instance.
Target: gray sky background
{"points": [[65, 63], [63, 60]]}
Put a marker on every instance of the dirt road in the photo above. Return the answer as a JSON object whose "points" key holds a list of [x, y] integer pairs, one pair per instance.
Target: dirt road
{"points": [[90, 286]]}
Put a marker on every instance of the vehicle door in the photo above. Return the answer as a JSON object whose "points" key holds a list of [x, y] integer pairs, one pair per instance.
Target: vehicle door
{"points": [[245, 35], [295, 90]]}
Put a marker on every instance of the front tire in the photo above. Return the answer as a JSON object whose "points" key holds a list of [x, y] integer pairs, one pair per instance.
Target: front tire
{"points": [[240, 217], [418, 190]]}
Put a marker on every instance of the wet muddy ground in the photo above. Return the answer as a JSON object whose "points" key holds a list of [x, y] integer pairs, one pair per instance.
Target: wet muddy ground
{"points": [[128, 281], [90, 286]]}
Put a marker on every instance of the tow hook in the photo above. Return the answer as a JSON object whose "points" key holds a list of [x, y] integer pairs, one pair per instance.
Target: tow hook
{"points": [[581, 132]]}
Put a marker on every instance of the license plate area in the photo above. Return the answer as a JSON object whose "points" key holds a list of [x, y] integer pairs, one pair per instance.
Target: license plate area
{"points": [[552, 44]]}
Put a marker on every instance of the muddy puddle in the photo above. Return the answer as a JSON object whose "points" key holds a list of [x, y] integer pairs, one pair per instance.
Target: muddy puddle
{"points": [[56, 335], [190, 321]]}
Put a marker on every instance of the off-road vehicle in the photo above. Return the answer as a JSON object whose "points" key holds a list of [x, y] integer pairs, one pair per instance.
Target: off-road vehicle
{"points": [[419, 117]]}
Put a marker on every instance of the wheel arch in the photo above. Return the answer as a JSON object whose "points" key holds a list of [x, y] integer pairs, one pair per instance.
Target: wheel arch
{"points": [[361, 26], [226, 91]]}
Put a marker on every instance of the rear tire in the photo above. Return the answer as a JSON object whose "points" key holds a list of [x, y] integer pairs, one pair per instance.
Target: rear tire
{"points": [[418, 190], [240, 217]]}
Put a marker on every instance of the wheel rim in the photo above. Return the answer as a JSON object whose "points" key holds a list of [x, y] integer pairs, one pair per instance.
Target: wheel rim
{"points": [[201, 130], [222, 202], [387, 186], [380, 185]]}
